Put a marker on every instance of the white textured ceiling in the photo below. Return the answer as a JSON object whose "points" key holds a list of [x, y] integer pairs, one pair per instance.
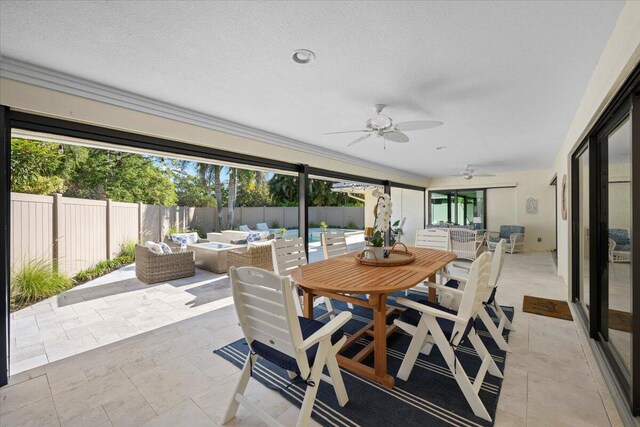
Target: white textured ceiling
{"points": [[506, 78]]}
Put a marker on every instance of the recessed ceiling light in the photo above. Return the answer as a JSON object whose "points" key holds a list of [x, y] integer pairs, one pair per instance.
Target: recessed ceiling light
{"points": [[442, 147], [303, 56]]}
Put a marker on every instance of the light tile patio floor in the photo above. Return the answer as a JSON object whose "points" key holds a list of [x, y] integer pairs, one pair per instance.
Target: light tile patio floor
{"points": [[149, 361]]}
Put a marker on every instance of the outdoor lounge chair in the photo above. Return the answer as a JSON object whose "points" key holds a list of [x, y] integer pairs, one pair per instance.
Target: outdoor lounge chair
{"points": [[265, 305], [262, 226]]}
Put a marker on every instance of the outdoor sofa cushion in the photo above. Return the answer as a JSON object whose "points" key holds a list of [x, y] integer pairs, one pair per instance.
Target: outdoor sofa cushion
{"points": [[308, 327], [185, 238]]}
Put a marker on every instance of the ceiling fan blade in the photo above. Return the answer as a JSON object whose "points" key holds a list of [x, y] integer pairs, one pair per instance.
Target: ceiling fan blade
{"points": [[418, 125], [359, 140], [483, 174], [396, 136], [347, 131]]}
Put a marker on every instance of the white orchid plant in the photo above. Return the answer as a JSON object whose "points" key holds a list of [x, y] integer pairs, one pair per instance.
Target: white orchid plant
{"points": [[382, 212]]}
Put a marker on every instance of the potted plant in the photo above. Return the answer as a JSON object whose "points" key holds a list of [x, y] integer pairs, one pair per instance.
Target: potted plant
{"points": [[396, 229], [282, 230], [382, 214], [323, 227]]}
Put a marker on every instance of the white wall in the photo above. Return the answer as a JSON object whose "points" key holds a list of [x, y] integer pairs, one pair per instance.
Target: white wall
{"points": [[408, 204], [620, 56], [508, 205]]}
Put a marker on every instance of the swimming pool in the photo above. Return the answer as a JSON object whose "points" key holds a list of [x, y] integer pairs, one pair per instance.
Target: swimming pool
{"points": [[314, 233]]}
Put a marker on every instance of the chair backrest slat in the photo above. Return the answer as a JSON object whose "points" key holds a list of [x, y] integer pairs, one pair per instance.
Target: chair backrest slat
{"points": [[333, 244], [496, 263], [435, 238], [266, 310], [475, 290], [288, 254]]}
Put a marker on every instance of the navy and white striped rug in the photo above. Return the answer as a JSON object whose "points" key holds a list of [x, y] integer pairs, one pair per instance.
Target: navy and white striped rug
{"points": [[430, 396]]}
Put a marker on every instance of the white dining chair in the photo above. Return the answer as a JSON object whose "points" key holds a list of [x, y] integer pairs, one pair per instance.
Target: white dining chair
{"points": [[287, 255], [431, 238], [490, 298], [334, 243], [265, 305], [432, 324]]}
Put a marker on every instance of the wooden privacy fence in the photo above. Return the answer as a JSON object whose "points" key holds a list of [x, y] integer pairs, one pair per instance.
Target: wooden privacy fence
{"points": [[75, 234]]}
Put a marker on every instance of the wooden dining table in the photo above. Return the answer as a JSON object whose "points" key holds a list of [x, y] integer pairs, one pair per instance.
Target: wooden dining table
{"points": [[343, 278]]}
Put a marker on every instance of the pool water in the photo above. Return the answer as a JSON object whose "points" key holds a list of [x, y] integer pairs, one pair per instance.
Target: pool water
{"points": [[314, 233]]}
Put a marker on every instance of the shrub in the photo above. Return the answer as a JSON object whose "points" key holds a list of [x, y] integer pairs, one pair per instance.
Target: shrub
{"points": [[127, 255], [313, 225], [201, 233], [35, 281], [352, 225], [275, 224]]}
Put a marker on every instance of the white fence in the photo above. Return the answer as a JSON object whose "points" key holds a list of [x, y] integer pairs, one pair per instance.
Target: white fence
{"points": [[75, 234]]}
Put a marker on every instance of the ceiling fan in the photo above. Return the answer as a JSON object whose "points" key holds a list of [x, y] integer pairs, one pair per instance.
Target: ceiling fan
{"points": [[383, 127], [468, 173]]}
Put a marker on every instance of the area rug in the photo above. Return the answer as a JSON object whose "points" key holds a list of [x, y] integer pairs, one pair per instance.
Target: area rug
{"points": [[546, 307], [430, 396]]}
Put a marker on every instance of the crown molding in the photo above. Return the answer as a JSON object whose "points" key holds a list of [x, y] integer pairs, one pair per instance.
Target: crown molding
{"points": [[39, 76]]}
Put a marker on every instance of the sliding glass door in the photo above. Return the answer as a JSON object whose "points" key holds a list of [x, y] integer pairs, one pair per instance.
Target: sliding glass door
{"points": [[606, 229], [618, 312], [459, 207]]}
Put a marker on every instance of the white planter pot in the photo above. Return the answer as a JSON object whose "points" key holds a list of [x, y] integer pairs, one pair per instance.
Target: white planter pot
{"points": [[378, 251]]}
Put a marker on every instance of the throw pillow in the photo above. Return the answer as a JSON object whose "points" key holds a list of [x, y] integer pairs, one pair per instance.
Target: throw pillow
{"points": [[238, 242], [154, 247], [165, 248], [253, 237], [179, 238]]}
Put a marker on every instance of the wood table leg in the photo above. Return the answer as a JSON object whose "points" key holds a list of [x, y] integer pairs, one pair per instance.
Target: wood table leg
{"points": [[307, 307], [380, 333], [432, 292]]}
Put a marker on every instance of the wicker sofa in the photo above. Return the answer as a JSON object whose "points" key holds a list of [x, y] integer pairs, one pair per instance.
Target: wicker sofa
{"points": [[152, 267], [255, 255]]}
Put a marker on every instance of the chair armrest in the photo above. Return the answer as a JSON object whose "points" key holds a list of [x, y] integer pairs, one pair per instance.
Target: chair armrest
{"points": [[464, 267], [516, 237], [492, 234], [449, 276], [326, 331], [429, 310], [438, 287]]}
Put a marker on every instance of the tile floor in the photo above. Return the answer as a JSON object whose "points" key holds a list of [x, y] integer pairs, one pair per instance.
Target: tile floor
{"points": [[163, 372]]}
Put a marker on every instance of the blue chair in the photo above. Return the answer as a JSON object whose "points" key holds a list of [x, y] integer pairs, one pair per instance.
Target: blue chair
{"points": [[513, 234], [619, 245]]}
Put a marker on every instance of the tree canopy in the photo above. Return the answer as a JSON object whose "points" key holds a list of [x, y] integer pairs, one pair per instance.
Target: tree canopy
{"points": [[40, 167]]}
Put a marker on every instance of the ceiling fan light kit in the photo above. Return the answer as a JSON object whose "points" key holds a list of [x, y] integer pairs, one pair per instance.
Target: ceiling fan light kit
{"points": [[383, 127]]}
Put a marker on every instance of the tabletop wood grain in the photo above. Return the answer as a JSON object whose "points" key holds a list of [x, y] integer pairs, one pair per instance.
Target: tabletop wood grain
{"points": [[343, 274]]}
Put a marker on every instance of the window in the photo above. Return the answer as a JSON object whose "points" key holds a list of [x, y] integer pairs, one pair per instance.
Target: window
{"points": [[459, 207]]}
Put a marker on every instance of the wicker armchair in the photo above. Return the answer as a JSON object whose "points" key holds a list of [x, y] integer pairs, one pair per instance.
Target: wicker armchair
{"points": [[256, 255], [466, 243], [152, 267]]}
